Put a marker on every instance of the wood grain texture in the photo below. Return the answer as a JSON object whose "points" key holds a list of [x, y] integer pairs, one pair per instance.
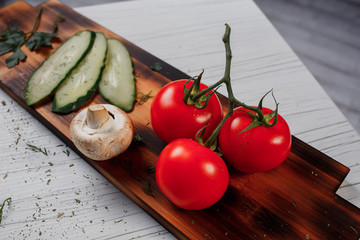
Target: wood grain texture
{"points": [[322, 179]]}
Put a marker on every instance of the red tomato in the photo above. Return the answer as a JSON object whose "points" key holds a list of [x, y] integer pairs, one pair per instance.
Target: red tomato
{"points": [[190, 175], [258, 149], [171, 118]]}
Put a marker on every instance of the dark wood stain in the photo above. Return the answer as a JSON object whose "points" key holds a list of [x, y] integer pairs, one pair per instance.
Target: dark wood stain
{"points": [[294, 201]]}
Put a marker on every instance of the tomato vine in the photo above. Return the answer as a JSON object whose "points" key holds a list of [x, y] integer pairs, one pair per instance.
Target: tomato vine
{"points": [[259, 119]]}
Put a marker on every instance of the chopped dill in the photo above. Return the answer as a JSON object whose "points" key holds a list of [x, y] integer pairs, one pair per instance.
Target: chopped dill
{"points": [[2, 207], [150, 169], [157, 67], [67, 152], [147, 189], [37, 149], [142, 97]]}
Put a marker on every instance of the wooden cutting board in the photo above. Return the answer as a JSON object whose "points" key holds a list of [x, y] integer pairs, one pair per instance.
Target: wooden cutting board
{"points": [[296, 200]]}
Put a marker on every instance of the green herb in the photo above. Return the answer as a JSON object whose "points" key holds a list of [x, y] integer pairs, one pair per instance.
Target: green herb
{"points": [[67, 152], [293, 203], [147, 189], [14, 59], [37, 149], [150, 169], [10, 40], [2, 207], [14, 38], [135, 177], [58, 20], [18, 139], [71, 165], [143, 97], [6, 175], [60, 214], [127, 166], [77, 201], [137, 138], [156, 67], [39, 39], [51, 164]]}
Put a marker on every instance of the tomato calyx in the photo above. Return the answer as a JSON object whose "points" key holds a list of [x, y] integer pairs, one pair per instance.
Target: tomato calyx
{"points": [[192, 95], [200, 139], [259, 119]]}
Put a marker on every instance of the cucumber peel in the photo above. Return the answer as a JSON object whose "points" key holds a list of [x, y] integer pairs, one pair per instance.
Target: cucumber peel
{"points": [[53, 70], [83, 81], [117, 84]]}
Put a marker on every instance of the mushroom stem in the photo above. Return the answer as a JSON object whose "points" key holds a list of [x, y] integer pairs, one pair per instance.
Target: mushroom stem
{"points": [[96, 116], [101, 132]]}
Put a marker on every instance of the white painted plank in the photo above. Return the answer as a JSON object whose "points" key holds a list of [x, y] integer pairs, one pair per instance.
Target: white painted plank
{"points": [[326, 36]]}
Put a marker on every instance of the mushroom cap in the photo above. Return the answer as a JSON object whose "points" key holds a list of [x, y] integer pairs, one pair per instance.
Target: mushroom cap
{"points": [[102, 141]]}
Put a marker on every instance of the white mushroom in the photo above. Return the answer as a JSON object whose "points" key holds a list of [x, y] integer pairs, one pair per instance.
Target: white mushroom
{"points": [[101, 131]]}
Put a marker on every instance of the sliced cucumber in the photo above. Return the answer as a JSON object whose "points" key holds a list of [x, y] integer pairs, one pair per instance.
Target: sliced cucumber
{"points": [[117, 84], [58, 66], [81, 84]]}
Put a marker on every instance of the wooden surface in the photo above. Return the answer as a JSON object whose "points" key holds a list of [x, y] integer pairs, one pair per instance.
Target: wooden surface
{"points": [[302, 229]]}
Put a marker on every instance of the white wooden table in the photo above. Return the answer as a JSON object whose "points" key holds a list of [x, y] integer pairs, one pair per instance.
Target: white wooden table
{"points": [[60, 196]]}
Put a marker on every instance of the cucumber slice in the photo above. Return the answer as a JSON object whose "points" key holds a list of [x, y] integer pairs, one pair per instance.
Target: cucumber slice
{"points": [[58, 66], [81, 84], [117, 84]]}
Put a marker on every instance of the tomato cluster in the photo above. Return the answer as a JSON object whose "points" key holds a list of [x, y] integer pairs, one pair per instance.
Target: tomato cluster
{"points": [[191, 175], [188, 116]]}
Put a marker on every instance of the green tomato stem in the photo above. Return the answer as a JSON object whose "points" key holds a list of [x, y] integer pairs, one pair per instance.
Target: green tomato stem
{"points": [[193, 96], [259, 117], [212, 140]]}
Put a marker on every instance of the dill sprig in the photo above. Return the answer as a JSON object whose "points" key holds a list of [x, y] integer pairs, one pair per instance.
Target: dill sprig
{"points": [[147, 189], [141, 98], [37, 149], [2, 206]]}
